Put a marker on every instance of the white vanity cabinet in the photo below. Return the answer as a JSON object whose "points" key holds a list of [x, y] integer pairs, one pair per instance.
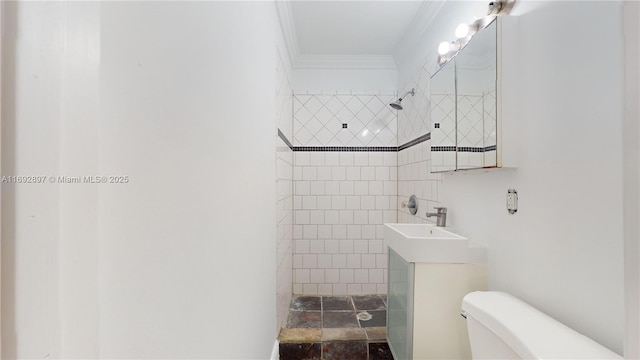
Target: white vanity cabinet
{"points": [[423, 314], [425, 292]]}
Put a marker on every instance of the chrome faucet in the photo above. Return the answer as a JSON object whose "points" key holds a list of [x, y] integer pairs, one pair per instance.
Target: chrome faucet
{"points": [[441, 215]]}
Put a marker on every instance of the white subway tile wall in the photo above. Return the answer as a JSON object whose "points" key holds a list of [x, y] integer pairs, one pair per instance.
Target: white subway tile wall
{"points": [[341, 200], [443, 112], [344, 118], [490, 127], [469, 131], [415, 178], [443, 108], [469, 120], [490, 123], [443, 160], [413, 120], [284, 188], [414, 173]]}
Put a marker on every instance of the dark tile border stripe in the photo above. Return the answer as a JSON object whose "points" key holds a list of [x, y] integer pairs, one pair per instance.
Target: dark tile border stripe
{"points": [[415, 141], [470, 149], [346, 148], [443, 148], [284, 138], [464, 148], [404, 146]]}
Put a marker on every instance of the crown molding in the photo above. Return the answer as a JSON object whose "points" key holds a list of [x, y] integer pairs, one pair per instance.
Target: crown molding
{"points": [[300, 61], [288, 30], [417, 29]]}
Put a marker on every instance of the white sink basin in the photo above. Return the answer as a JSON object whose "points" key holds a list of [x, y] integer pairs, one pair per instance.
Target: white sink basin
{"points": [[425, 243]]}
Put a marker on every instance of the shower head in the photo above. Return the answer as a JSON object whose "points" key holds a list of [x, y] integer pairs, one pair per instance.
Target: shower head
{"points": [[398, 103]]}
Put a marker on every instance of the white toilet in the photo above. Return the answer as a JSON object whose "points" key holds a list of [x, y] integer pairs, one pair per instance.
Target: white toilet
{"points": [[501, 326]]}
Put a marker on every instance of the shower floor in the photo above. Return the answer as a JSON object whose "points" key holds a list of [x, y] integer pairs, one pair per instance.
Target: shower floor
{"points": [[336, 327]]}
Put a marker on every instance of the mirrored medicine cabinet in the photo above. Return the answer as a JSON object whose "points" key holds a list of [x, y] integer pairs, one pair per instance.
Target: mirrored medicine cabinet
{"points": [[467, 98]]}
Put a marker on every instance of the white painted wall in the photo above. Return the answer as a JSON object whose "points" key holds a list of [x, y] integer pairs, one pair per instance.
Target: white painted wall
{"points": [[31, 145], [165, 266], [49, 270], [188, 248], [318, 80], [562, 252], [631, 180], [78, 153]]}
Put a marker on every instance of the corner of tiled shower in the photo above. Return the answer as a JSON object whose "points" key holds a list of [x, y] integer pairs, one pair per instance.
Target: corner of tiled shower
{"points": [[340, 178], [342, 198]]}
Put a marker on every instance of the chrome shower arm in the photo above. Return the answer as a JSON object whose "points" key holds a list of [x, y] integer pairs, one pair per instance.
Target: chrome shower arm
{"points": [[412, 92]]}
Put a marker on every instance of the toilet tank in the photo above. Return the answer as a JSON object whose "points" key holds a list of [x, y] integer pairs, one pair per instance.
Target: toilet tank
{"points": [[501, 326]]}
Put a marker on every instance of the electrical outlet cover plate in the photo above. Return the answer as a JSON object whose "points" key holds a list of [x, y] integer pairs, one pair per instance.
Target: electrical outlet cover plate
{"points": [[512, 201]]}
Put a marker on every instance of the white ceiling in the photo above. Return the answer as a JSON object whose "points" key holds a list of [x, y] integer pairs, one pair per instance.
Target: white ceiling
{"points": [[351, 27], [351, 34]]}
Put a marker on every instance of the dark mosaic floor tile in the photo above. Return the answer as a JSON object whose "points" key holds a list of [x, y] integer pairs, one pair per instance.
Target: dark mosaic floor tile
{"points": [[369, 302], [304, 319], [337, 303], [306, 303], [300, 351], [344, 350], [339, 319], [378, 319], [379, 351]]}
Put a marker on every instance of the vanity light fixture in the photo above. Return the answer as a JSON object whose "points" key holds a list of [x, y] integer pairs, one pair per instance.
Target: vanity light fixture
{"points": [[448, 48], [464, 32], [497, 7], [443, 48], [442, 59]]}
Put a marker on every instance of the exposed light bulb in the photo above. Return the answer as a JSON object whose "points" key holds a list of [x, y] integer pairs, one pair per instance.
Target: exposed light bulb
{"points": [[443, 48], [462, 31]]}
